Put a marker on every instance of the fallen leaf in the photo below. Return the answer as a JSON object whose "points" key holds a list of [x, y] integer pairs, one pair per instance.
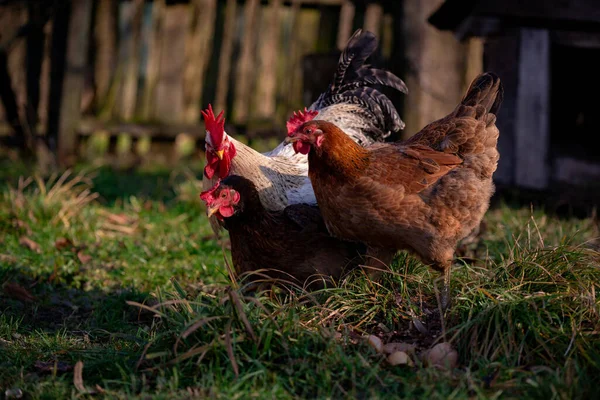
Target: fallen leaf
{"points": [[19, 224], [84, 258], [30, 244], [51, 366], [120, 219], [62, 243], [16, 291], [7, 258], [78, 378]]}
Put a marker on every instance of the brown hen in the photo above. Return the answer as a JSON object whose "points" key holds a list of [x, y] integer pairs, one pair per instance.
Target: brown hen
{"points": [[289, 245], [423, 194]]}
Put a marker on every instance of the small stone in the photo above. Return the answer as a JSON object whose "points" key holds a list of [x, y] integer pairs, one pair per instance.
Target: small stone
{"points": [[399, 358], [375, 342], [441, 355], [393, 347], [14, 393]]}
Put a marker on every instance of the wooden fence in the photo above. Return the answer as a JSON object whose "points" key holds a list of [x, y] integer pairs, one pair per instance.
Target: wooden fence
{"points": [[102, 63]]}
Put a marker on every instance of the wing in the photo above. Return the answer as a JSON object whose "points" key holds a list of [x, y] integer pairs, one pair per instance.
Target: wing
{"points": [[307, 217], [409, 169], [471, 126]]}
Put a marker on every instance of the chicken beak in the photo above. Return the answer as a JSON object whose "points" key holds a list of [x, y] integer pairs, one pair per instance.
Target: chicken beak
{"points": [[220, 154], [291, 139], [212, 211]]}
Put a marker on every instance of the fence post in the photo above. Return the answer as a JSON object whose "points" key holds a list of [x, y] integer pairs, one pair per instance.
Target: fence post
{"points": [[69, 57], [225, 56]]}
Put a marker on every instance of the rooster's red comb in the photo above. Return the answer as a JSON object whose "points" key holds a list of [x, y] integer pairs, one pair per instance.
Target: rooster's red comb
{"points": [[298, 118], [214, 125], [207, 195]]}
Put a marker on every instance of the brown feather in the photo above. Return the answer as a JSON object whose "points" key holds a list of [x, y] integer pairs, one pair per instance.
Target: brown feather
{"points": [[291, 245], [423, 194]]}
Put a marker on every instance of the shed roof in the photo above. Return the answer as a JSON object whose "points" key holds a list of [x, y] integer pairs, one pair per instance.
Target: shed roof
{"points": [[484, 17]]}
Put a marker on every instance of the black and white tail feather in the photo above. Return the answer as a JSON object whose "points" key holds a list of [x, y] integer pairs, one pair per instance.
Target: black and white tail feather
{"points": [[350, 102]]}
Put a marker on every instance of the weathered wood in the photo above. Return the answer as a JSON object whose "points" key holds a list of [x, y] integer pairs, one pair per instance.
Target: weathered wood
{"points": [[13, 28], [577, 11], [292, 84], [132, 65], [373, 16], [225, 55], [473, 61], [345, 25], [498, 50], [197, 55], [11, 23], [169, 87], [532, 134], [90, 126], [35, 54], [435, 67], [105, 36], [75, 63], [71, 25], [154, 57], [246, 63], [267, 65], [9, 101]]}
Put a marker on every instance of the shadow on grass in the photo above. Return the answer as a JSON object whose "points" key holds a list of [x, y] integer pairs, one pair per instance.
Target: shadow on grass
{"points": [[46, 327]]}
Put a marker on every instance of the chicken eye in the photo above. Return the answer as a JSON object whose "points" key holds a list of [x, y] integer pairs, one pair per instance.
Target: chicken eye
{"points": [[308, 131], [223, 195]]}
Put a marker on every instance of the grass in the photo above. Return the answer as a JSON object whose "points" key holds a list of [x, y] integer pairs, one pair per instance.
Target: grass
{"points": [[118, 273]]}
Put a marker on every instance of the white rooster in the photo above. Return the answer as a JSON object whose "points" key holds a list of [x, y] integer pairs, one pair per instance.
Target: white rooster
{"points": [[281, 175]]}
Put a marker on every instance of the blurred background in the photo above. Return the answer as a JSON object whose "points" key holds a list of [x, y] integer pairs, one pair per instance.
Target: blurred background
{"points": [[125, 81]]}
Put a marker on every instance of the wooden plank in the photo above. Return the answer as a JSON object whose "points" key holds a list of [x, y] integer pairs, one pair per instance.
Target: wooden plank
{"points": [[35, 55], [373, 16], [132, 65], [502, 52], [198, 48], [532, 134], [577, 11], [345, 25], [89, 126], [225, 55], [293, 66], [436, 67], [246, 63], [267, 68], [105, 36], [169, 87], [154, 56], [74, 76]]}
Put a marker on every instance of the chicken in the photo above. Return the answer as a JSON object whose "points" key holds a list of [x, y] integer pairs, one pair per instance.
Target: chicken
{"points": [[423, 194], [281, 175], [291, 244]]}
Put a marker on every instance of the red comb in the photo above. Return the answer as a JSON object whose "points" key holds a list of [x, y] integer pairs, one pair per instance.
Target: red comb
{"points": [[298, 118], [207, 195], [214, 125]]}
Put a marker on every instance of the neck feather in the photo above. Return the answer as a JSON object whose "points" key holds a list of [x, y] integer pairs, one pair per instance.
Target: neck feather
{"points": [[338, 154]]}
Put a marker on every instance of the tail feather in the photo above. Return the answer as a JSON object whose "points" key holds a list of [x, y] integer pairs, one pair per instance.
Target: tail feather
{"points": [[359, 48], [351, 85], [376, 76], [486, 90]]}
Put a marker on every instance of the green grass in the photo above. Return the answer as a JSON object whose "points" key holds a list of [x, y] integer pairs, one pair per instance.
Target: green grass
{"points": [[137, 289]]}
